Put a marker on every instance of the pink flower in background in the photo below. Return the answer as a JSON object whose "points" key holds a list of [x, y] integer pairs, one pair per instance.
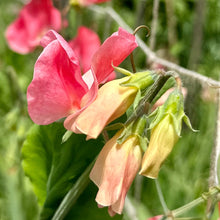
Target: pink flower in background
{"points": [[34, 20], [59, 90], [86, 2], [114, 172], [85, 44]]}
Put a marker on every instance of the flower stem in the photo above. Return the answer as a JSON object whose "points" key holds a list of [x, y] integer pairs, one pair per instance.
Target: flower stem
{"points": [[158, 84], [73, 194], [213, 192], [161, 197]]}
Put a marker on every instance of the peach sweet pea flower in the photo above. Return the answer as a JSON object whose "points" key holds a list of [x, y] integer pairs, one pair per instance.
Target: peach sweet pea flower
{"points": [[112, 101], [114, 171], [58, 88], [34, 20]]}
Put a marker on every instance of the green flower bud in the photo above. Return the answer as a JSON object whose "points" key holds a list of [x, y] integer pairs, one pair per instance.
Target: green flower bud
{"points": [[165, 132]]}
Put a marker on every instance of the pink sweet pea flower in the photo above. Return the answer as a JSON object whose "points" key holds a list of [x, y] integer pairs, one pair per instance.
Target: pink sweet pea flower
{"points": [[114, 171], [34, 20], [86, 2], [59, 90]]}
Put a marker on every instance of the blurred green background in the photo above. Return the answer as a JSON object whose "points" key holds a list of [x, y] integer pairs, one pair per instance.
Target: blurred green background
{"points": [[188, 33]]}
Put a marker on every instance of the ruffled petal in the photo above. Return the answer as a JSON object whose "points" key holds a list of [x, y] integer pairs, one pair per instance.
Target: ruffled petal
{"points": [[90, 79], [57, 87], [112, 101], [113, 51], [33, 22], [85, 45], [114, 171]]}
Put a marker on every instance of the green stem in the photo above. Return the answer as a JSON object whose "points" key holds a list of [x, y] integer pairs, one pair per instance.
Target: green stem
{"points": [[74, 193], [194, 203], [158, 84], [161, 197]]}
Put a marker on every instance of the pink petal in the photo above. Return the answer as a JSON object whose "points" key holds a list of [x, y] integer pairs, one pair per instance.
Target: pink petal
{"points": [[114, 171], [90, 79], [85, 45], [24, 34], [113, 51], [57, 87]]}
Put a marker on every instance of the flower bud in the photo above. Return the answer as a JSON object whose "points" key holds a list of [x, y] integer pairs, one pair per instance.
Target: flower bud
{"points": [[165, 132]]}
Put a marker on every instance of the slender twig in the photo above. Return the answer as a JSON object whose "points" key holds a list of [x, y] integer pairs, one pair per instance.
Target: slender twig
{"points": [[129, 209], [154, 25], [213, 179], [151, 55], [161, 197], [196, 202]]}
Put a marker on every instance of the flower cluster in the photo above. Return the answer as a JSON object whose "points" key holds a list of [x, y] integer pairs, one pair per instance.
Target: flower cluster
{"points": [[65, 85], [75, 81]]}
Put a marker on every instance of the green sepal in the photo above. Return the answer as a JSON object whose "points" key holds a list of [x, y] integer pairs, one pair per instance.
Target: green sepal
{"points": [[188, 123], [174, 106], [143, 142], [132, 108], [137, 99], [115, 126], [158, 115], [136, 128], [66, 136], [177, 124], [140, 80], [123, 71], [126, 133]]}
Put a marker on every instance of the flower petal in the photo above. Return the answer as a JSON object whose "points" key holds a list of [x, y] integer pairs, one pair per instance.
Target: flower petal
{"points": [[113, 51], [112, 101], [34, 20], [162, 140], [85, 45], [114, 171], [57, 87]]}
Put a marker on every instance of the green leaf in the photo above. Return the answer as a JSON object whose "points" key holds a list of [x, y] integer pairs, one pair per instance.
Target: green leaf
{"points": [[54, 167]]}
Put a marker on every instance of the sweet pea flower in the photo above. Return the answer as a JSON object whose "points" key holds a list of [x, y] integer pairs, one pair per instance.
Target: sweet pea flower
{"points": [[58, 88], [112, 101], [84, 3], [114, 171], [34, 20]]}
